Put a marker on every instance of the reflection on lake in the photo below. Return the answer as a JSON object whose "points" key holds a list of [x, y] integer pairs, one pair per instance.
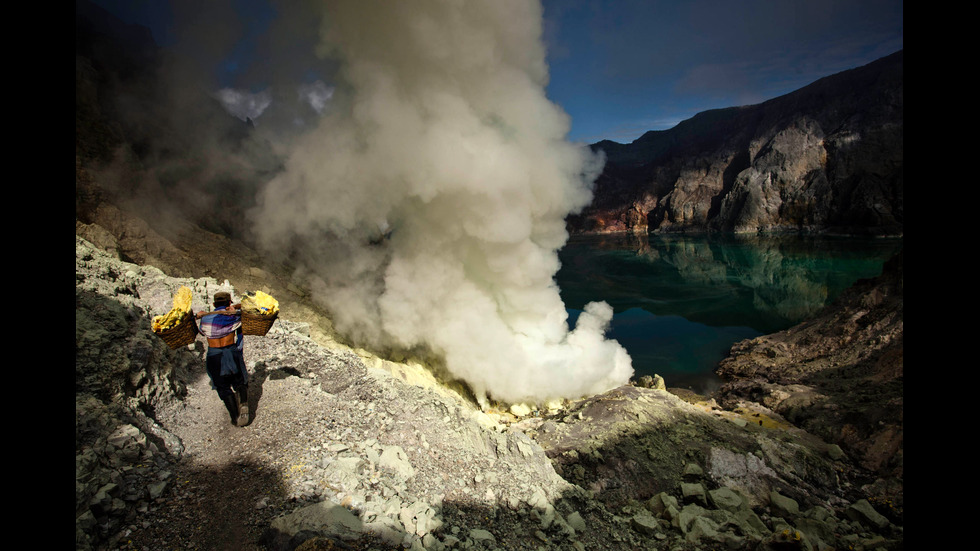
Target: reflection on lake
{"points": [[682, 301]]}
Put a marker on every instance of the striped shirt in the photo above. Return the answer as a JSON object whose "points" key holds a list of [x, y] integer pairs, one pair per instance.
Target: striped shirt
{"points": [[216, 326]]}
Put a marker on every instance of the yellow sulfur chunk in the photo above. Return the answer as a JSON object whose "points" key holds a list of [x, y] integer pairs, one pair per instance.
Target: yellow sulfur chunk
{"points": [[260, 303], [182, 305]]}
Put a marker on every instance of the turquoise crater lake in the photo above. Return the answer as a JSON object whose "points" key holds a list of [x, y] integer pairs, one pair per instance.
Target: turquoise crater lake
{"points": [[680, 302]]}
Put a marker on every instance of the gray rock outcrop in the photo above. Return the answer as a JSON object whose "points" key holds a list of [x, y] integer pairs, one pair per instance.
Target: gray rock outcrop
{"points": [[826, 158]]}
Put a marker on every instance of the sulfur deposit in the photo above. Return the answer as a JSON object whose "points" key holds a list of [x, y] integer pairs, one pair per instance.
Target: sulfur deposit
{"points": [[261, 304], [182, 307]]}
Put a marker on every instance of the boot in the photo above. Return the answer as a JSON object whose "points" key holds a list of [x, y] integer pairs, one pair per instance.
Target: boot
{"points": [[241, 393], [231, 402]]}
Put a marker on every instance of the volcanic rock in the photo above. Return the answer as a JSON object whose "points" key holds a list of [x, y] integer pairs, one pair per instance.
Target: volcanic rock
{"points": [[838, 375], [825, 158]]}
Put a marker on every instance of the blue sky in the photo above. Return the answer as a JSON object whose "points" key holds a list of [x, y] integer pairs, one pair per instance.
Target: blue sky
{"points": [[623, 67], [617, 67]]}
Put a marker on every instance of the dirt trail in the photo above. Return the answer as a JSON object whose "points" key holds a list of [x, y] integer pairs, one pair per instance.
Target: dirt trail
{"points": [[228, 485]]}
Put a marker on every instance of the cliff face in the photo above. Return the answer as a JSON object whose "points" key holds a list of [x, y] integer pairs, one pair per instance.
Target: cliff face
{"points": [[826, 158]]}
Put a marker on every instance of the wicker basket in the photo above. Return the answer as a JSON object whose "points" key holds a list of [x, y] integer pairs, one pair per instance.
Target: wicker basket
{"points": [[257, 324], [181, 334]]}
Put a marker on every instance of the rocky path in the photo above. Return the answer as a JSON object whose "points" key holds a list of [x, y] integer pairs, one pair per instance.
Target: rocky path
{"points": [[226, 491], [159, 466], [407, 461]]}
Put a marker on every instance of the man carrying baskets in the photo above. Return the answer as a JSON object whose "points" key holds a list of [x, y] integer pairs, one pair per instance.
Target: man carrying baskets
{"points": [[224, 362]]}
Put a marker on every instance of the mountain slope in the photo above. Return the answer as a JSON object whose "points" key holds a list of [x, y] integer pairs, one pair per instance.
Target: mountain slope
{"points": [[827, 158]]}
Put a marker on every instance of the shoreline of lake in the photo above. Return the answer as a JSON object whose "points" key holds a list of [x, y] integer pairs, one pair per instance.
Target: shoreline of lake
{"points": [[681, 301]]}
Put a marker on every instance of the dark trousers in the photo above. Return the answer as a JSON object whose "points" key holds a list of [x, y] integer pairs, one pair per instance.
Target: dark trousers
{"points": [[226, 368]]}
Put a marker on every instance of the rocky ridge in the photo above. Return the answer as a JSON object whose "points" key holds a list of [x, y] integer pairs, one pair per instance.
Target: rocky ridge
{"points": [[825, 158], [347, 451]]}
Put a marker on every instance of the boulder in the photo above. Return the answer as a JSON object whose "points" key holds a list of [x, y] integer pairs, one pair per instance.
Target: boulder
{"points": [[727, 499], [863, 512], [645, 524], [395, 461], [782, 506], [324, 518]]}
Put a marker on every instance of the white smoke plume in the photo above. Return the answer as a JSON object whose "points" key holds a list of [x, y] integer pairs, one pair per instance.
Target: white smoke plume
{"points": [[441, 139]]}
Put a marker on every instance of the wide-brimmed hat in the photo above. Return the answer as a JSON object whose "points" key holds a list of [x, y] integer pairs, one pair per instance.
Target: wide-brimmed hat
{"points": [[222, 296]]}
